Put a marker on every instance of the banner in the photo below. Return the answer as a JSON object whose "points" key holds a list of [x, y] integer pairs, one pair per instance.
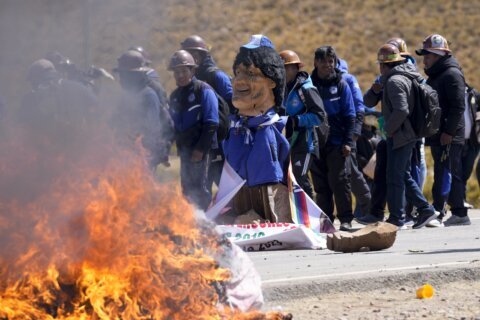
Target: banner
{"points": [[230, 184], [304, 210], [273, 236]]}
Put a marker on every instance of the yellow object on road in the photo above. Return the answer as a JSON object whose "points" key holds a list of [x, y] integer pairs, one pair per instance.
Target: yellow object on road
{"points": [[425, 292]]}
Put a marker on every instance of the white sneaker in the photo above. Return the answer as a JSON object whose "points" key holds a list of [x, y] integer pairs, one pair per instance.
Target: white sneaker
{"points": [[435, 223]]}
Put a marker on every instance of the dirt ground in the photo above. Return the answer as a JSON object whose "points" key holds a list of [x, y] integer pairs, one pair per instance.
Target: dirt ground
{"points": [[397, 300]]}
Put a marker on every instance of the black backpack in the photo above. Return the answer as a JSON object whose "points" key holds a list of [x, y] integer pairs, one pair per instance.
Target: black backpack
{"points": [[208, 76], [320, 132], [472, 98], [223, 111], [425, 116]]}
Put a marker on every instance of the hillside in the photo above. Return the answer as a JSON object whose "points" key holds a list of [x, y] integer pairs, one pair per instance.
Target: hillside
{"points": [[29, 28], [99, 30]]}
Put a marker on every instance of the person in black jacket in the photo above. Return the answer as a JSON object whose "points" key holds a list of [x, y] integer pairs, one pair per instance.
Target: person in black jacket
{"points": [[331, 172], [446, 77], [304, 108]]}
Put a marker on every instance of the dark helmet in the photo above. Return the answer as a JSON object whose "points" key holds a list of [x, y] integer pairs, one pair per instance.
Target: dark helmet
{"points": [[144, 53], [181, 58], [434, 43], [131, 61], [389, 53], [41, 71], [401, 45], [194, 43], [57, 58]]}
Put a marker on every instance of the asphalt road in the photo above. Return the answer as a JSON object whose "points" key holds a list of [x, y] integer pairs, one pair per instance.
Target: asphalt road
{"points": [[414, 250]]}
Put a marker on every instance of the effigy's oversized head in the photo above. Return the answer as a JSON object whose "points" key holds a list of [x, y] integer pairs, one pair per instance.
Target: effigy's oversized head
{"points": [[259, 77]]}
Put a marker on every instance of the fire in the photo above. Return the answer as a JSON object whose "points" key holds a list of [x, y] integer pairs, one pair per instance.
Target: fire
{"points": [[104, 242]]}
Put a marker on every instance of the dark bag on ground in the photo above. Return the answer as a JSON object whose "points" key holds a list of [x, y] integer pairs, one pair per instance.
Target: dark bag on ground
{"points": [[223, 112]]}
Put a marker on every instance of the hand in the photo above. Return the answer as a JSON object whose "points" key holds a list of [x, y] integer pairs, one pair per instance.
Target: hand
{"points": [[445, 138], [377, 88], [197, 156], [346, 150]]}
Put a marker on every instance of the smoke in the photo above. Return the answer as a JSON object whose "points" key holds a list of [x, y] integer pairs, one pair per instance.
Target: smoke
{"points": [[57, 141]]}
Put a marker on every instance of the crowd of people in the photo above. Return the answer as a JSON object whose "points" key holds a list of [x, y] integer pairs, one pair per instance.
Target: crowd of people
{"points": [[272, 114]]}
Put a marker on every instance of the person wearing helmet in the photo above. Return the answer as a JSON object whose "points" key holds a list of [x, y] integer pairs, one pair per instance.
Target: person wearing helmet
{"points": [[446, 77], [419, 169], [68, 70], [194, 109], [330, 171], [304, 108], [154, 80], [56, 113], [138, 113], [398, 98], [207, 69], [255, 147], [360, 188], [419, 164], [208, 72]]}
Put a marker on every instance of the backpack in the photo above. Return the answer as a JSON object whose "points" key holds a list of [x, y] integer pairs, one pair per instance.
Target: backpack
{"points": [[425, 116], [472, 105], [209, 77], [320, 132], [223, 111]]}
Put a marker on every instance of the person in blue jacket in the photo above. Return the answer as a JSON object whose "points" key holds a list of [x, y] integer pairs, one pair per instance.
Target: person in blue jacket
{"points": [[304, 108], [194, 109], [331, 171], [138, 113], [255, 147], [360, 186], [218, 79]]}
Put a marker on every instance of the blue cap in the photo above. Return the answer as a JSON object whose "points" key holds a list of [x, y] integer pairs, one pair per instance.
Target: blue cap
{"points": [[258, 40]]}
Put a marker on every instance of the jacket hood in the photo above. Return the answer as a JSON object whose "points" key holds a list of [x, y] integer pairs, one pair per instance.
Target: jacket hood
{"points": [[441, 65], [302, 77], [404, 68], [342, 65]]}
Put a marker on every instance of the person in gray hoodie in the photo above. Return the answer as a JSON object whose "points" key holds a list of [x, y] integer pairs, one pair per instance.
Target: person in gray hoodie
{"points": [[397, 102]]}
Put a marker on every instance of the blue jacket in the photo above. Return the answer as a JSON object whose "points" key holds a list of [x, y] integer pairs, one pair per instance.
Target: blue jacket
{"points": [[356, 94], [138, 116], [195, 116], [258, 153], [209, 72], [306, 112], [338, 103]]}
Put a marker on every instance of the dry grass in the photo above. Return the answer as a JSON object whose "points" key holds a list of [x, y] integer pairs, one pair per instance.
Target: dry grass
{"points": [[357, 29]]}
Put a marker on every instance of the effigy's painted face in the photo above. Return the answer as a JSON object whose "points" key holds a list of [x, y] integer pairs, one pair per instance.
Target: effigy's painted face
{"points": [[252, 91]]}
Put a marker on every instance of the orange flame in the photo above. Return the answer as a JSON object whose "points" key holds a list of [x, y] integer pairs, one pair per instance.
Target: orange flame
{"points": [[100, 238]]}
